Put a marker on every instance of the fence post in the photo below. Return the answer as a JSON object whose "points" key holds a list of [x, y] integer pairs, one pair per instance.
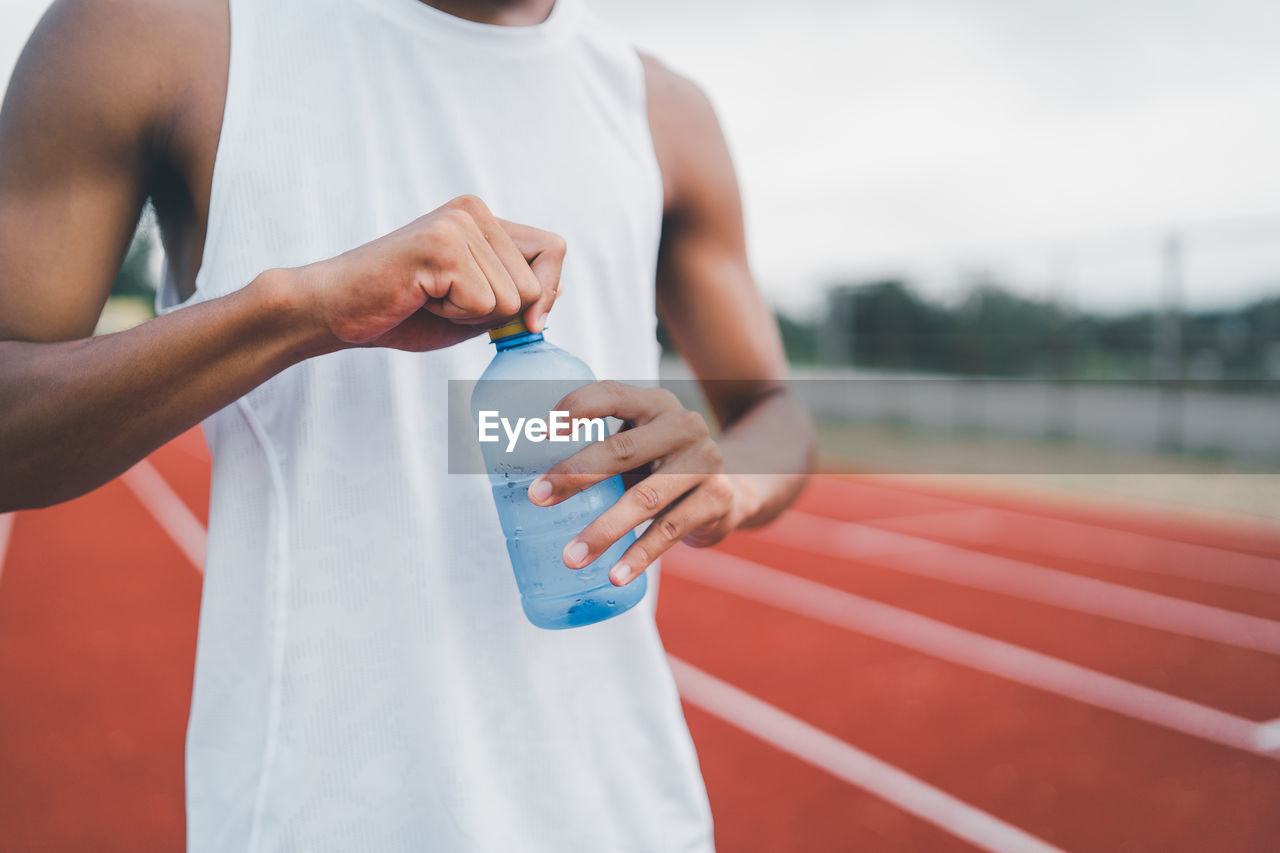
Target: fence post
{"points": [[1167, 347]]}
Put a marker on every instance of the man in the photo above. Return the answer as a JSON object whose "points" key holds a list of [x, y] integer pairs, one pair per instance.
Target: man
{"points": [[364, 677]]}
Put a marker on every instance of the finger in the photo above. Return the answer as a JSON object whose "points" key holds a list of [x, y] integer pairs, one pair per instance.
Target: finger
{"points": [[621, 452], [709, 534], [466, 294], [637, 505], [528, 288], [544, 252], [454, 284], [707, 504], [507, 302], [460, 231], [524, 285], [626, 402], [422, 331]]}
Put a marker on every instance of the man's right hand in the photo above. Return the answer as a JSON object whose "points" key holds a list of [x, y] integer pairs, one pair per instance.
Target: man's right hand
{"points": [[442, 278]]}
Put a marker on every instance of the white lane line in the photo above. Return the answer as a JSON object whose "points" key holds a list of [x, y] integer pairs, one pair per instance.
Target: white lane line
{"points": [[902, 627], [6, 530], [849, 764], [1269, 737], [900, 552], [187, 531], [1098, 545], [1077, 540]]}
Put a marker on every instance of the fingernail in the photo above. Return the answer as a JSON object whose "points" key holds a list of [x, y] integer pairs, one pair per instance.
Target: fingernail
{"points": [[535, 322], [575, 553], [540, 490], [620, 574]]}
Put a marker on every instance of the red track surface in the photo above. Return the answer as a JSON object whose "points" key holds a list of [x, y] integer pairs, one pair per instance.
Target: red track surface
{"points": [[97, 634]]}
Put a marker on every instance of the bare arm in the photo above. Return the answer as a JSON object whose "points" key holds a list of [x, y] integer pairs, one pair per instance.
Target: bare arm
{"points": [[83, 126], [708, 300], [700, 489]]}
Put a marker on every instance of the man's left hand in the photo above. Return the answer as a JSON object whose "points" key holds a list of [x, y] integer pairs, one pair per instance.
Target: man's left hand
{"points": [[686, 492]]}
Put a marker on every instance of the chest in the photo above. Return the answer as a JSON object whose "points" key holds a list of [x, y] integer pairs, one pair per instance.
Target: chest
{"points": [[359, 144]]}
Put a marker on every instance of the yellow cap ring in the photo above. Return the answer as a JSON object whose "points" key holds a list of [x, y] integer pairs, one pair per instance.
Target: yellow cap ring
{"points": [[507, 330]]}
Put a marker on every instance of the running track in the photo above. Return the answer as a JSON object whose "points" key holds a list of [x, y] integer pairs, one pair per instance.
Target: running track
{"points": [[887, 668]]}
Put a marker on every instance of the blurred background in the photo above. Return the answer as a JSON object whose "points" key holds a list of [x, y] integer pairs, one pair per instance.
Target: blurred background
{"points": [[1026, 263]]}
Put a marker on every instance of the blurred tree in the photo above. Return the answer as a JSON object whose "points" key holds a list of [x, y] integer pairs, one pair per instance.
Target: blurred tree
{"points": [[136, 277], [1003, 334], [995, 332], [885, 324], [799, 339]]}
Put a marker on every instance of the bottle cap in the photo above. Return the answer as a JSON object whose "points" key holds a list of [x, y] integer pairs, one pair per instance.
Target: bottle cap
{"points": [[509, 329]]}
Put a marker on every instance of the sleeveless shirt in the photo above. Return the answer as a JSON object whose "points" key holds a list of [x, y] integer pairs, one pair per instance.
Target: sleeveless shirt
{"points": [[365, 678]]}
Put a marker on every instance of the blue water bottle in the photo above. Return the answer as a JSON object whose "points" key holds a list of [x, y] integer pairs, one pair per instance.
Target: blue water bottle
{"points": [[526, 378]]}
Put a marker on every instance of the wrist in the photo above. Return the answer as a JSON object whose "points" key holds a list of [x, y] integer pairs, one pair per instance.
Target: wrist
{"points": [[747, 500], [284, 299]]}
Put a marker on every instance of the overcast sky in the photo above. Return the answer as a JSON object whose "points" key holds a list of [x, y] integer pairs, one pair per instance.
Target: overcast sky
{"points": [[1049, 144]]}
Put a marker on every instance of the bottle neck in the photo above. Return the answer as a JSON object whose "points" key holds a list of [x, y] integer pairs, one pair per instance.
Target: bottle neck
{"points": [[513, 341]]}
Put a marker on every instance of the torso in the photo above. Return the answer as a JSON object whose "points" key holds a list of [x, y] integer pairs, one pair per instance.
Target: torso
{"points": [[364, 675]]}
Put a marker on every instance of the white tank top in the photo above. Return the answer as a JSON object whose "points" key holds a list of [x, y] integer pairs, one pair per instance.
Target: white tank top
{"points": [[365, 678]]}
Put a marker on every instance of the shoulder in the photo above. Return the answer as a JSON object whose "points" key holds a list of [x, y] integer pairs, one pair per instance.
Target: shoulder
{"points": [[120, 69], [124, 28], [687, 137], [672, 92]]}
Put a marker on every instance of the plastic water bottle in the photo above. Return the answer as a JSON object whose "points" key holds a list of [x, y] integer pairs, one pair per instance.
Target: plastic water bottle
{"points": [[526, 378]]}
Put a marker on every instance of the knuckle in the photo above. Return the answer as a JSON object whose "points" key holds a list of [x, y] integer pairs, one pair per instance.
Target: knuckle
{"points": [[506, 304], [667, 529], [693, 423], [705, 536], [556, 245], [612, 387], [468, 203], [440, 234], [712, 456], [457, 219], [646, 496], [621, 446], [719, 490], [667, 399], [485, 301], [528, 288]]}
